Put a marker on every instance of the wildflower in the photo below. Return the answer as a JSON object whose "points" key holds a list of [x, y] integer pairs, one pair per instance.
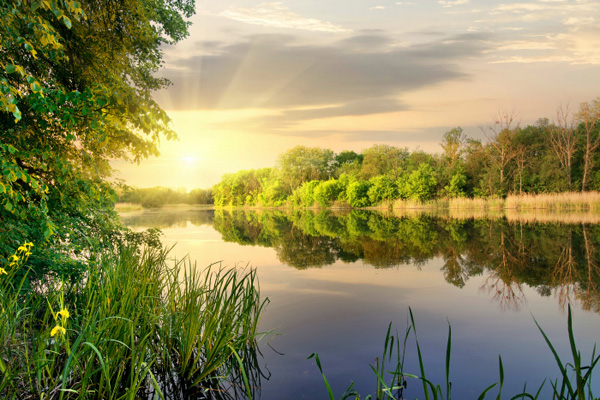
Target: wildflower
{"points": [[58, 330], [3, 271], [14, 257], [63, 313]]}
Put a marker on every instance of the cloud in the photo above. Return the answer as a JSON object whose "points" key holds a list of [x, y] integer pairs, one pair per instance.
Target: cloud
{"points": [[277, 15], [452, 3], [289, 118], [280, 72]]}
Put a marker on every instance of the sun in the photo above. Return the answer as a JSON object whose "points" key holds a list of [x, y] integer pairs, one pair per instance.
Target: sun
{"points": [[189, 160]]}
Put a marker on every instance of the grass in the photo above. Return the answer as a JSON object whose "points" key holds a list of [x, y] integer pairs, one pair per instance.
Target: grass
{"points": [[557, 202], [139, 326], [574, 382], [543, 202], [127, 207]]}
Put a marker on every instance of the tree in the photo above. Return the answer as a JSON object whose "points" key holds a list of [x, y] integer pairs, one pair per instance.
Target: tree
{"points": [[76, 83], [382, 188], [455, 187], [302, 164], [563, 139], [421, 183], [326, 192], [453, 143], [501, 136], [357, 194], [589, 119], [383, 159]]}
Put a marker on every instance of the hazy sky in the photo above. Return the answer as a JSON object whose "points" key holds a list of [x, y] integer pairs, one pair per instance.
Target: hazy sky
{"points": [[255, 78]]}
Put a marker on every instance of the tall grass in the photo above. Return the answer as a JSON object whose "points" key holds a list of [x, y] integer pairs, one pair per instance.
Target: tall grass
{"points": [[554, 202], [569, 201], [134, 328], [573, 383]]}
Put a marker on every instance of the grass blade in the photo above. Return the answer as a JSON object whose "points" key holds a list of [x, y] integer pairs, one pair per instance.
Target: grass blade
{"points": [[316, 357]]}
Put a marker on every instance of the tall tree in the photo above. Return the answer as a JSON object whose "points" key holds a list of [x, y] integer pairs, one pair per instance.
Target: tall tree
{"points": [[76, 82], [589, 118], [453, 144], [302, 164], [563, 139], [383, 159], [501, 139]]}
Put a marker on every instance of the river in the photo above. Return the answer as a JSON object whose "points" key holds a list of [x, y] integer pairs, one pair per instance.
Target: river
{"points": [[337, 279]]}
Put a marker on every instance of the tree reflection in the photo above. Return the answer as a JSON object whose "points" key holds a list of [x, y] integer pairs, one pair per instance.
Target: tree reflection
{"points": [[555, 258]]}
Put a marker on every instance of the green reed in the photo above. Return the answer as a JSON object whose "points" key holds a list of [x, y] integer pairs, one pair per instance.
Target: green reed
{"points": [[574, 382], [137, 325]]}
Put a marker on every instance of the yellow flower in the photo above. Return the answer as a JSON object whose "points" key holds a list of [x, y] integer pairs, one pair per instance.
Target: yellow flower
{"points": [[3, 271], [22, 248], [14, 257], [58, 330], [28, 244], [64, 313]]}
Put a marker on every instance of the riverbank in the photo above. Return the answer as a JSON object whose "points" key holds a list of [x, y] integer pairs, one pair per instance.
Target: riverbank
{"points": [[138, 325], [574, 207]]}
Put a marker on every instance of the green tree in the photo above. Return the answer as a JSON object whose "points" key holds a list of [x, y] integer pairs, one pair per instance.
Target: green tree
{"points": [[348, 162], [382, 188], [421, 183], [75, 92], [357, 194], [589, 119], [383, 159], [456, 186], [302, 164], [453, 144], [327, 192]]}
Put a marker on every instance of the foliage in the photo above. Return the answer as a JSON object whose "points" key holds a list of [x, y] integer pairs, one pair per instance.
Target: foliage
{"points": [[382, 159], [304, 196], [420, 184], [455, 187], [160, 196], [382, 188], [357, 193], [327, 192], [75, 91], [302, 164], [546, 157]]}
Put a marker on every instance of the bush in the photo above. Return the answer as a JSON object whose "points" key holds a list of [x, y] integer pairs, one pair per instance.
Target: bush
{"points": [[383, 188], [357, 193], [327, 192]]}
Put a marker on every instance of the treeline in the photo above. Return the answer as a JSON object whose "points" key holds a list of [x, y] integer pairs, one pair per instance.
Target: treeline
{"points": [[160, 196], [561, 155]]}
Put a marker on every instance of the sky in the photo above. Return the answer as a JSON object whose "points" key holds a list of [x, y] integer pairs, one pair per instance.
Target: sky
{"points": [[255, 78]]}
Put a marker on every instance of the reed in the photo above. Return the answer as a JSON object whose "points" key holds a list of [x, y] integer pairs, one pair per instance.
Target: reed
{"points": [[128, 207], [574, 382], [568, 201], [134, 328]]}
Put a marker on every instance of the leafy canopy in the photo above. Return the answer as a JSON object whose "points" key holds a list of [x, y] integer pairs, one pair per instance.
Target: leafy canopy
{"points": [[75, 92]]}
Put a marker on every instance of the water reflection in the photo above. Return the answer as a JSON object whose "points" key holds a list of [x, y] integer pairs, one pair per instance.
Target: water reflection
{"points": [[552, 257]]}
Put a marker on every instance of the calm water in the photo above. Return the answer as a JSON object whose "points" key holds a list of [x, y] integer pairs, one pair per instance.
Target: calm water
{"points": [[336, 280]]}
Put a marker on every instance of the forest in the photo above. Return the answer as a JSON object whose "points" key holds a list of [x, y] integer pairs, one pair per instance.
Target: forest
{"points": [[555, 156]]}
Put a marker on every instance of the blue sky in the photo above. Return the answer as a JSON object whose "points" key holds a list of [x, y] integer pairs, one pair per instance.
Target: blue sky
{"points": [[255, 78]]}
